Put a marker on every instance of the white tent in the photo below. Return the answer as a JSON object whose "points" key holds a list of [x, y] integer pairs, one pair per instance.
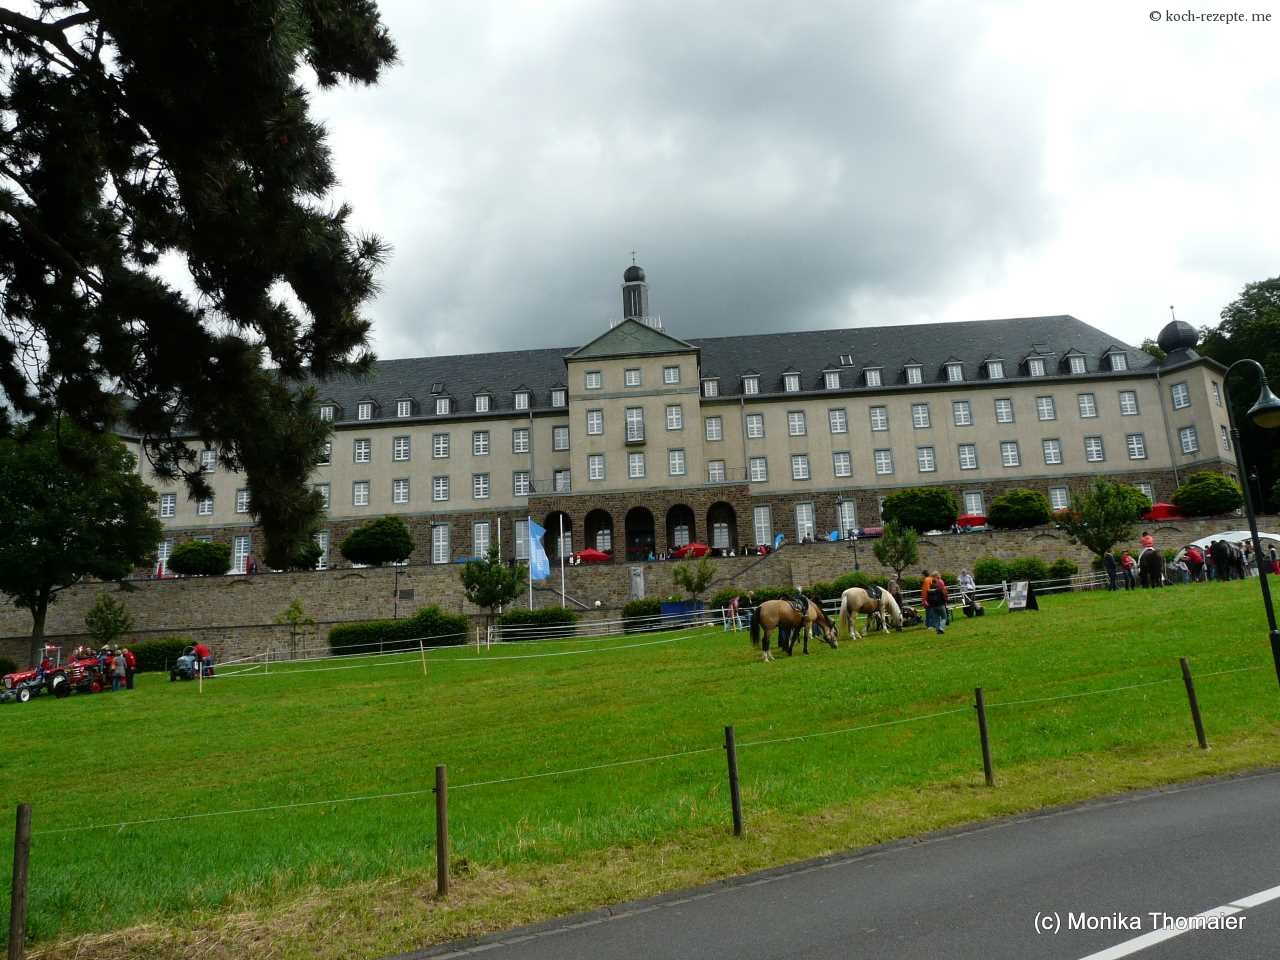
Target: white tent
{"points": [[1235, 536]]}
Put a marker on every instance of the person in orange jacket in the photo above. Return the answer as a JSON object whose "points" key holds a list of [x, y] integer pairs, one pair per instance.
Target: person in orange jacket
{"points": [[933, 594]]}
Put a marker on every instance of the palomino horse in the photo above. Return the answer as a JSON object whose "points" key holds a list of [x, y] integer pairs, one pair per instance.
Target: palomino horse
{"points": [[783, 616], [856, 600]]}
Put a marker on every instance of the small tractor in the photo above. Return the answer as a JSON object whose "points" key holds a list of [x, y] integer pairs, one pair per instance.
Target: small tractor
{"points": [[50, 675]]}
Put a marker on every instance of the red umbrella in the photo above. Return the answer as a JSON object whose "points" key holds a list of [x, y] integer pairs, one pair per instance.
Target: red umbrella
{"points": [[1163, 511], [691, 550], [590, 555], [971, 520]]}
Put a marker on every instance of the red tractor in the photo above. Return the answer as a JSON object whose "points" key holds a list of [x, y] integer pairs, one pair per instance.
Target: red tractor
{"points": [[87, 672], [50, 675]]}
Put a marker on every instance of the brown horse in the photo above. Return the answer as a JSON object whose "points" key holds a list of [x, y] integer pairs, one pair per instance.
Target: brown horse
{"points": [[783, 616], [856, 600]]}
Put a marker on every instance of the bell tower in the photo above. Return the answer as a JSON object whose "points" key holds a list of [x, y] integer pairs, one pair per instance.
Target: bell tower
{"points": [[635, 293]]}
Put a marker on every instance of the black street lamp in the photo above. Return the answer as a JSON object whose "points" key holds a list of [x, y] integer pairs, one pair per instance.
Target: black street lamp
{"points": [[853, 540], [1266, 414]]}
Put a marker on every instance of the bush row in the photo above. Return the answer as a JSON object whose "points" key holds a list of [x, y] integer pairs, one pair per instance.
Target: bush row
{"points": [[431, 625], [995, 570], [544, 617]]}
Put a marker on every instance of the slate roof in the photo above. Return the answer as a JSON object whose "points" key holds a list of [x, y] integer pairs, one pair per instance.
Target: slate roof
{"points": [[932, 345]]}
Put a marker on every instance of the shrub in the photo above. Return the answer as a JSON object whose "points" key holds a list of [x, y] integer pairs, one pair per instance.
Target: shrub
{"points": [[720, 599], [1028, 568], [1208, 493], [1062, 568], [431, 625], [897, 548], [107, 620], [200, 558], [693, 576], [306, 556], [385, 540], [159, 654], [7, 666], [990, 570], [546, 617], [1019, 508], [636, 614], [921, 508]]}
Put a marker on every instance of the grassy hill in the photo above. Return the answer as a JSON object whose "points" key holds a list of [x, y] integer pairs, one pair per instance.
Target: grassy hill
{"points": [[830, 751]]}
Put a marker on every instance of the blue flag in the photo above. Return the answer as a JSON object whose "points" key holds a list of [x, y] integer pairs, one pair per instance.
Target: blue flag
{"points": [[539, 565], [777, 540]]}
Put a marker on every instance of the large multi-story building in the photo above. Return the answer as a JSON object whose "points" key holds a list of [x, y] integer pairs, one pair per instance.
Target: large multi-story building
{"points": [[639, 441]]}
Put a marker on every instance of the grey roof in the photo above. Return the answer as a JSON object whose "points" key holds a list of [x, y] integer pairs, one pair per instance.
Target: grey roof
{"points": [[932, 345]]}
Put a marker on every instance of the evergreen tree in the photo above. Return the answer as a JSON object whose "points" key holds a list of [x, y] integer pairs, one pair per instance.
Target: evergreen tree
{"points": [[897, 548], [490, 583], [1104, 515]]}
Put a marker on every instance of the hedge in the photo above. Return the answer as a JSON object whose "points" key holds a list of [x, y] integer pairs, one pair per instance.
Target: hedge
{"points": [[159, 654], [994, 570], [7, 666], [430, 625], [544, 617]]}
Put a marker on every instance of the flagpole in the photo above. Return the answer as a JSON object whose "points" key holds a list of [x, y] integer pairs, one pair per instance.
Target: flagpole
{"points": [[528, 535], [560, 550]]}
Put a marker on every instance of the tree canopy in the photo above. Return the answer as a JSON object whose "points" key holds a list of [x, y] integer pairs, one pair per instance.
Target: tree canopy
{"points": [[1104, 515], [1207, 493], [385, 540], [200, 558], [922, 508], [490, 583], [898, 548], [133, 131], [1018, 508]]}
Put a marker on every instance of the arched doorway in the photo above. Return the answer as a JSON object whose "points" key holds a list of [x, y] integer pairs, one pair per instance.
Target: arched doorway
{"points": [[551, 540], [598, 528], [681, 528], [722, 522], [639, 532]]}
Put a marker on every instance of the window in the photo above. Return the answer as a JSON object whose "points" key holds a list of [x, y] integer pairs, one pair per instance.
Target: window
{"points": [[847, 516], [675, 417], [804, 521], [361, 450], [1076, 364], [955, 372], [168, 504], [755, 425], [879, 418], [884, 462], [208, 461], [442, 406], [1088, 405], [919, 415], [240, 547], [995, 369], [925, 460], [439, 445], [914, 374], [968, 456], [791, 382], [831, 379], [872, 376], [1052, 451], [480, 539], [1059, 499], [364, 410], [480, 443], [846, 359], [1093, 450], [440, 543], [711, 387], [1128, 403], [400, 491], [750, 384], [1035, 367], [635, 423], [592, 380], [520, 440], [322, 541], [558, 397], [631, 377], [595, 466], [1226, 439], [758, 469], [522, 539], [1188, 439], [561, 481], [800, 466], [1217, 392], [1004, 410], [404, 408], [714, 428], [675, 463], [204, 507], [520, 483], [670, 374], [482, 403], [242, 500], [327, 456], [360, 493], [1181, 396], [838, 420], [1147, 490], [400, 449], [1046, 409], [961, 413], [1119, 361], [842, 463], [715, 471], [595, 422], [323, 490], [762, 526], [796, 423], [1009, 456], [720, 535], [480, 486], [973, 503], [1136, 445], [635, 466], [522, 399], [559, 438], [326, 413]]}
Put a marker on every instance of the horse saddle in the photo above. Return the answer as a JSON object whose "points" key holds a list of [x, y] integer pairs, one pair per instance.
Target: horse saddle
{"points": [[801, 604]]}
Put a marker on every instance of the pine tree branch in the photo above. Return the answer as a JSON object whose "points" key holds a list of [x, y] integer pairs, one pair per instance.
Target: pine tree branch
{"points": [[51, 246]]}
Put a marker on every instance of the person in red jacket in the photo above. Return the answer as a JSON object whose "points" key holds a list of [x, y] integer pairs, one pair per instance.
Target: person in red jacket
{"points": [[205, 656], [130, 665]]}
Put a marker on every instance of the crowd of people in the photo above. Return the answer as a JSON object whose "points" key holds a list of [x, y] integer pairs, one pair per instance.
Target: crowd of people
{"points": [[1219, 560]]}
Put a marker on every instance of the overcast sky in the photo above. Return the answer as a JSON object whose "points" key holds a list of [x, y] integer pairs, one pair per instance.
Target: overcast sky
{"points": [[833, 165]]}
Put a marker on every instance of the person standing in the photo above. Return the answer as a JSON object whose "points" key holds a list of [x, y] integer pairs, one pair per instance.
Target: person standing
{"points": [[130, 667], [968, 587], [1275, 561], [1127, 564], [933, 590], [204, 656], [1109, 564], [118, 670]]}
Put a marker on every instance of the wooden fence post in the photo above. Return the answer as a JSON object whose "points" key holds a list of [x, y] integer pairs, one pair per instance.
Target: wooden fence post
{"points": [[981, 707], [442, 830], [735, 792], [1195, 704], [18, 899]]}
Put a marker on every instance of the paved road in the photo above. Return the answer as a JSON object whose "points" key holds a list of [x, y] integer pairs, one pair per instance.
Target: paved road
{"points": [[972, 894]]}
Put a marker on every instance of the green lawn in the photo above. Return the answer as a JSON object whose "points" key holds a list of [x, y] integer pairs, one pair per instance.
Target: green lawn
{"points": [[354, 879]]}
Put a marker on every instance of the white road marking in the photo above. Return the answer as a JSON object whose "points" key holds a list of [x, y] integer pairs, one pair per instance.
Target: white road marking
{"points": [[1257, 898]]}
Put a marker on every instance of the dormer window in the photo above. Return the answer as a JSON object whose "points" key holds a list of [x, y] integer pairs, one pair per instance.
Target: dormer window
{"points": [[1119, 362], [326, 413], [442, 406], [404, 408], [482, 403], [558, 397], [831, 379], [1035, 367], [1076, 364], [955, 372], [995, 369], [711, 387], [872, 376], [914, 373], [846, 359], [791, 382], [364, 410], [750, 384], [522, 399]]}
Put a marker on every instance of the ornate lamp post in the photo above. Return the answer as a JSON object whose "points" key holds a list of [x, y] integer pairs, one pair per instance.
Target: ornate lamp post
{"points": [[853, 542], [1266, 414]]}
